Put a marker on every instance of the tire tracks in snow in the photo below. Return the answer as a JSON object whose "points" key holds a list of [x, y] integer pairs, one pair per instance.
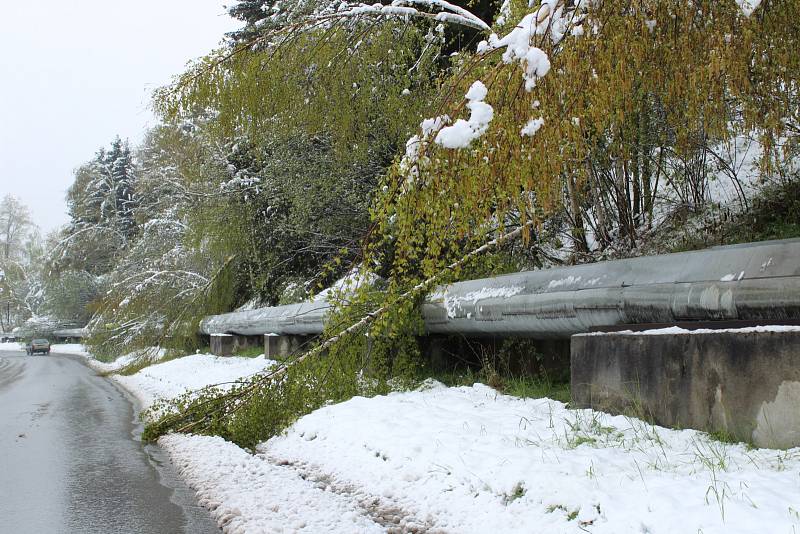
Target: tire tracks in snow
{"points": [[389, 515], [246, 493]]}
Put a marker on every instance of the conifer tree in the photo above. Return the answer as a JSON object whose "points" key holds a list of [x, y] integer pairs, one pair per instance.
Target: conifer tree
{"points": [[121, 172], [101, 206]]}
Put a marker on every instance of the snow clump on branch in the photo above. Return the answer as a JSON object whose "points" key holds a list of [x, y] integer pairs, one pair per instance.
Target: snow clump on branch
{"points": [[416, 145], [748, 6], [550, 17], [462, 133], [532, 127], [505, 12], [517, 43]]}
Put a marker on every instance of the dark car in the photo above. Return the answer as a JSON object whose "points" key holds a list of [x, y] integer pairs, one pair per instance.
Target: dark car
{"points": [[38, 345]]}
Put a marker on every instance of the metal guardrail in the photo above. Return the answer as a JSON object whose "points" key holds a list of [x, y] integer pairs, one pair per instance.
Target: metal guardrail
{"points": [[71, 332], [297, 319], [749, 282]]}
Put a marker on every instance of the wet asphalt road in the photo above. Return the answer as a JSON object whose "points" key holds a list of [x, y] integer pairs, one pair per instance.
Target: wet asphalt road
{"points": [[71, 461]]}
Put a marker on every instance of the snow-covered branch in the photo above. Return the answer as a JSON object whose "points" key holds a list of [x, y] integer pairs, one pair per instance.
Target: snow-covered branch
{"points": [[438, 10]]}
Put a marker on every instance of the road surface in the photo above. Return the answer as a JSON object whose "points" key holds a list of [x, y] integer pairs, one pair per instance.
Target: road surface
{"points": [[71, 461]]}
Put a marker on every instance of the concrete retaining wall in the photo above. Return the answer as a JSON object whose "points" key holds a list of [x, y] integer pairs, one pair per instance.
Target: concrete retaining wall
{"points": [[745, 383]]}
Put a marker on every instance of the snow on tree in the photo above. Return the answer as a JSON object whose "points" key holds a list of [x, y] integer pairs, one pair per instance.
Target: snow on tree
{"points": [[15, 225], [20, 253], [603, 118], [155, 292], [101, 206]]}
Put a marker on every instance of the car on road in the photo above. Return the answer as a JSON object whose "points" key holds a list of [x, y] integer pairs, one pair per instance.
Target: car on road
{"points": [[38, 345]]}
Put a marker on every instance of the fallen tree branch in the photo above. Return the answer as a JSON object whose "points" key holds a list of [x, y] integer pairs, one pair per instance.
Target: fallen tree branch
{"points": [[229, 401]]}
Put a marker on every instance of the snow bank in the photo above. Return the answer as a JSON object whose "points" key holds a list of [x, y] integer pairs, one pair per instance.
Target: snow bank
{"points": [[470, 460], [106, 367], [69, 348], [61, 348], [246, 494], [115, 366], [173, 378]]}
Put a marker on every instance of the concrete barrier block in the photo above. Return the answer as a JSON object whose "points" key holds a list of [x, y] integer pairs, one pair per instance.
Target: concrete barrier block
{"points": [[745, 383], [277, 347], [223, 344]]}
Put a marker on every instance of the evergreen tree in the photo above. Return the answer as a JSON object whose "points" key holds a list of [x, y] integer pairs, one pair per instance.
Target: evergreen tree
{"points": [[120, 169], [101, 204]]}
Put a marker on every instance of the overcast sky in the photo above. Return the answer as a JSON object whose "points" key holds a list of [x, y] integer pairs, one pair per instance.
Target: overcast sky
{"points": [[75, 73]]}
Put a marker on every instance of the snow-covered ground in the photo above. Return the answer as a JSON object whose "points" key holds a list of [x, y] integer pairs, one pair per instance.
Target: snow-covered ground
{"points": [[69, 348], [111, 367], [470, 460], [172, 378], [12, 346]]}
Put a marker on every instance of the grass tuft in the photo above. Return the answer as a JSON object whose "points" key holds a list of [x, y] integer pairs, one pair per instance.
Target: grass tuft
{"points": [[250, 352], [517, 493]]}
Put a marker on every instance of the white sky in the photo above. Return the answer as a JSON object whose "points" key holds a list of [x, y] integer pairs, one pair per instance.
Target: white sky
{"points": [[75, 73]]}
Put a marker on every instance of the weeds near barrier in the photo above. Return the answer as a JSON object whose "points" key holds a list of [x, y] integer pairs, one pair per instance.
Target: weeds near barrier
{"points": [[712, 454], [250, 352], [515, 386], [719, 490]]}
